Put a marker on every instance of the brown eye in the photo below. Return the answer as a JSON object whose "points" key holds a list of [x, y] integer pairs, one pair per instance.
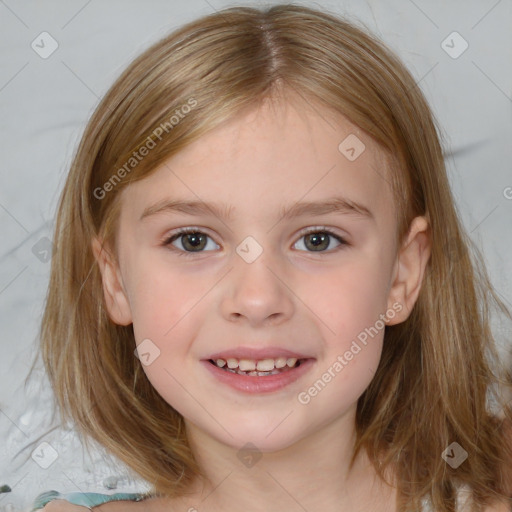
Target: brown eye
{"points": [[321, 240], [191, 241]]}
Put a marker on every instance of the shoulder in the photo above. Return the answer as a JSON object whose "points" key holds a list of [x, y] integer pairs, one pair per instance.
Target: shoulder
{"points": [[145, 505], [122, 506], [53, 501], [61, 505], [157, 505]]}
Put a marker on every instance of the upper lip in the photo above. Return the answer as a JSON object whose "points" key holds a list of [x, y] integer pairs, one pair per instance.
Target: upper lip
{"points": [[257, 353]]}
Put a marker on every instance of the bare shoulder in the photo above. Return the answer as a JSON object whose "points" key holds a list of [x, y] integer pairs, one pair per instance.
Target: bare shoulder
{"points": [[148, 505], [112, 506], [62, 506], [124, 506]]}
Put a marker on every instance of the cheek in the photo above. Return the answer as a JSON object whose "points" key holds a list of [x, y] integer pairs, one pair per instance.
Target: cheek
{"points": [[349, 308], [162, 298], [167, 307], [348, 300], [349, 303], [166, 304]]}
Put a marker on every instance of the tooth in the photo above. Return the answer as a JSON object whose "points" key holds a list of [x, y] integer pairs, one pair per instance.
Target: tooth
{"points": [[265, 365], [246, 365], [232, 363], [280, 362], [291, 361], [221, 362]]}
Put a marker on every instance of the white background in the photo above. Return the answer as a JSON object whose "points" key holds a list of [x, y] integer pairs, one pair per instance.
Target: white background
{"points": [[45, 103]]}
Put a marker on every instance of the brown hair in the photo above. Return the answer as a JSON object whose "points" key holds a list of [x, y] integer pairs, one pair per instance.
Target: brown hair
{"points": [[436, 369]]}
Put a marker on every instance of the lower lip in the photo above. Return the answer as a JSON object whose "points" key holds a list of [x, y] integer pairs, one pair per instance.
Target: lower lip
{"points": [[256, 383]]}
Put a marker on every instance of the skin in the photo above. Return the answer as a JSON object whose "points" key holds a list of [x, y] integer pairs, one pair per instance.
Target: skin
{"points": [[291, 296]]}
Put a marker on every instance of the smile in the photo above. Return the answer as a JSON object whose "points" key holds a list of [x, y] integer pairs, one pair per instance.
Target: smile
{"points": [[260, 368], [257, 376]]}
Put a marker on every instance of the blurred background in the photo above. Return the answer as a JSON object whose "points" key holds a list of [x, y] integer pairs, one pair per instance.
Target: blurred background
{"points": [[58, 59]]}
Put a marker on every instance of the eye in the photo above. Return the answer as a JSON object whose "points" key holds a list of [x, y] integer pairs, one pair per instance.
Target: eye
{"points": [[319, 239], [191, 239]]}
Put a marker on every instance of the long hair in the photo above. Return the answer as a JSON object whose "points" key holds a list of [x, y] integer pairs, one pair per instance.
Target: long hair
{"points": [[438, 369]]}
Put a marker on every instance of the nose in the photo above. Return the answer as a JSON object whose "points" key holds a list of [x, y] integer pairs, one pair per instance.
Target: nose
{"points": [[257, 293]]}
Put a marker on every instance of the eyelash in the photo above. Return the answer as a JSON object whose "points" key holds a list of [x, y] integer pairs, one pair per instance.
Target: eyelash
{"points": [[183, 231]]}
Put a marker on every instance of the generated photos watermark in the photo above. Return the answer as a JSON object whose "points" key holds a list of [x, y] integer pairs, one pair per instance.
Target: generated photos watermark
{"points": [[304, 397], [149, 144]]}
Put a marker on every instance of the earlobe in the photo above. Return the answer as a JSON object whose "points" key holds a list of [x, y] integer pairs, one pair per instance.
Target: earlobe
{"points": [[116, 301], [411, 264]]}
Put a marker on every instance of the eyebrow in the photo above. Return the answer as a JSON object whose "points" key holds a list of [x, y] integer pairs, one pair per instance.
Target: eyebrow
{"points": [[329, 205]]}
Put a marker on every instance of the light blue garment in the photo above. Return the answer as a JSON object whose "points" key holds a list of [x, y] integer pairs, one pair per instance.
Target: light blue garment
{"points": [[86, 499]]}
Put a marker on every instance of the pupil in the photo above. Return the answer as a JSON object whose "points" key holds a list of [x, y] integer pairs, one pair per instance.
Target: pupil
{"points": [[317, 239], [193, 240]]}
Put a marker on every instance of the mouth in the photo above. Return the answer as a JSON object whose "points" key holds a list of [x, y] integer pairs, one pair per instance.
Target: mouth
{"points": [[257, 367], [258, 371]]}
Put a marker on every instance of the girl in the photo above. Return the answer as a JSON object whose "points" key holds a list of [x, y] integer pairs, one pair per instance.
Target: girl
{"points": [[252, 302]]}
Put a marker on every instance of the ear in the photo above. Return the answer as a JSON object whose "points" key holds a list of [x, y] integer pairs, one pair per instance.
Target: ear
{"points": [[116, 300], [409, 269]]}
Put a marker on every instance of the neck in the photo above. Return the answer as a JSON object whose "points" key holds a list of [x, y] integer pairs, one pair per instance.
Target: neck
{"points": [[312, 474]]}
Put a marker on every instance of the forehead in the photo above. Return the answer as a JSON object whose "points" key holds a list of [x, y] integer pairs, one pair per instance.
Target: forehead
{"points": [[274, 154]]}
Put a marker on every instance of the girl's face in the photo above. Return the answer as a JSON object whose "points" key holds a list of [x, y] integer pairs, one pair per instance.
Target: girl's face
{"points": [[254, 283]]}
